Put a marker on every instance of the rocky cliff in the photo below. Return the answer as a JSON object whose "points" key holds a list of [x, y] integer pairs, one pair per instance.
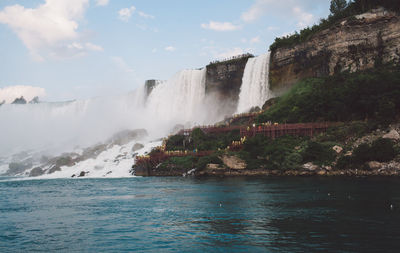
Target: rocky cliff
{"points": [[357, 43], [223, 81]]}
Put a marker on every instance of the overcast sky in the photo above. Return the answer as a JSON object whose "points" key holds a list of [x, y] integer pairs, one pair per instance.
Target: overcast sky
{"points": [[85, 48]]}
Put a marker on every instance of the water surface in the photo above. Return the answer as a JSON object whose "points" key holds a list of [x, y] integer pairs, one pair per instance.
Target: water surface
{"points": [[200, 215]]}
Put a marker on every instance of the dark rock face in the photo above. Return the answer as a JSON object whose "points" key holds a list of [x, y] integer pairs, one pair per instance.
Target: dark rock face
{"points": [[15, 168], [354, 44], [150, 85], [20, 101], [223, 81], [137, 146], [36, 172]]}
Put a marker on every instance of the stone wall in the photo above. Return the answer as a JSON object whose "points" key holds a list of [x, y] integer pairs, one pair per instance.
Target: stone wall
{"points": [[357, 43]]}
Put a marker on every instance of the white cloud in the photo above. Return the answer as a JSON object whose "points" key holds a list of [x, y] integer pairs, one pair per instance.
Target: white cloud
{"points": [[220, 26], [299, 10], [144, 15], [255, 40], [102, 2], [230, 52], [256, 10], [10, 93], [304, 19], [170, 49], [126, 13], [93, 47], [49, 28], [122, 65]]}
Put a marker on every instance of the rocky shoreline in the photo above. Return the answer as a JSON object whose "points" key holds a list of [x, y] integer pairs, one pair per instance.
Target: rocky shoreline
{"points": [[385, 170]]}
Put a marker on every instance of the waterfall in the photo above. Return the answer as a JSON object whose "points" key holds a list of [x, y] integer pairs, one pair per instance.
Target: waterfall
{"points": [[180, 99], [255, 87], [61, 126], [31, 132]]}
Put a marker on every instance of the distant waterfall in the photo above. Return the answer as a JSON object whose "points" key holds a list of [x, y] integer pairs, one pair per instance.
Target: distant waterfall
{"points": [[255, 87]]}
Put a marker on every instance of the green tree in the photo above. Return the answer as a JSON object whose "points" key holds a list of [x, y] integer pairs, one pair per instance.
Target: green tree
{"points": [[337, 6]]}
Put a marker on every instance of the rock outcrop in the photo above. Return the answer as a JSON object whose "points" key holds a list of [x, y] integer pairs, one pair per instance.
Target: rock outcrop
{"points": [[223, 81], [357, 43], [150, 85]]}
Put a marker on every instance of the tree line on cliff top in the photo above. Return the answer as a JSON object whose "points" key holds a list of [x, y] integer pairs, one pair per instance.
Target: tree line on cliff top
{"points": [[339, 9]]}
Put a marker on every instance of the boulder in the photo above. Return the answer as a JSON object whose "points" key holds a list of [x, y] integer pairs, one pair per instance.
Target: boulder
{"points": [[82, 174], [54, 169], [310, 166], [234, 162], [374, 165], [392, 135], [212, 166], [137, 146], [36, 172], [337, 149]]}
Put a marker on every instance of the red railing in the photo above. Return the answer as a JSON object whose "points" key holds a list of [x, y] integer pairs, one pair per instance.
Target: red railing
{"points": [[269, 130], [156, 158], [278, 130]]}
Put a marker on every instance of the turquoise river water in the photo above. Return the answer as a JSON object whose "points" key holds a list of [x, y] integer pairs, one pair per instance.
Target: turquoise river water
{"points": [[200, 215]]}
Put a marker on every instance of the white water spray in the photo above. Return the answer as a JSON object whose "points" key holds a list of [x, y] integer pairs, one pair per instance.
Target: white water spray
{"points": [[255, 86], [179, 100]]}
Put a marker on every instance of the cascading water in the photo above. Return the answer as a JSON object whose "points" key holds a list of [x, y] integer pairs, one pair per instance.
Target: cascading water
{"points": [[255, 87], [180, 99], [50, 129]]}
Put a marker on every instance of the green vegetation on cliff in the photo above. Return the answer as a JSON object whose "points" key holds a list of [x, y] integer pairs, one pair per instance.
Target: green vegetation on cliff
{"points": [[372, 95], [339, 11], [201, 141]]}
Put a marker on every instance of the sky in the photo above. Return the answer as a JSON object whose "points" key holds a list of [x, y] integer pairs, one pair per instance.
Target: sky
{"points": [[77, 49]]}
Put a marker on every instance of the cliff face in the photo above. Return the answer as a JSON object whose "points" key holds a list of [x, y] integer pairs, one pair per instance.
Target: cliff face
{"points": [[354, 44], [223, 81]]}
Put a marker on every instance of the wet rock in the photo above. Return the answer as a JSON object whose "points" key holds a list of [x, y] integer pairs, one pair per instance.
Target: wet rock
{"points": [[82, 174], [337, 149], [54, 169], [392, 135], [17, 168], [36, 172], [137, 146], [234, 162]]}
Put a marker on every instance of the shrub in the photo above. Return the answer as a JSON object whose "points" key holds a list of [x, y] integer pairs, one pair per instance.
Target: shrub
{"points": [[373, 95], [319, 153]]}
